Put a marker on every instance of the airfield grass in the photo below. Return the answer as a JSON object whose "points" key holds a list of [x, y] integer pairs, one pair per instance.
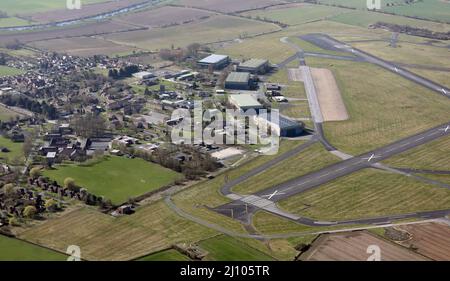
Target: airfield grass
{"points": [[437, 177], [226, 248], [152, 228], [215, 29], [17, 250], [383, 107], [367, 193], [297, 15], [267, 46], [9, 71], [431, 156], [15, 150], [196, 199], [13, 7], [408, 53], [309, 160], [168, 255], [441, 77], [116, 178]]}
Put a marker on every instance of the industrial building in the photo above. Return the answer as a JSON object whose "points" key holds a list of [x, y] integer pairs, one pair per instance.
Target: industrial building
{"points": [[238, 81], [284, 127], [244, 102], [254, 66], [144, 75], [214, 61]]}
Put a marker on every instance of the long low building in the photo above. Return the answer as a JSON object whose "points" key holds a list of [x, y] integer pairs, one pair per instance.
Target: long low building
{"points": [[254, 66], [245, 102], [284, 127], [215, 61], [238, 81]]}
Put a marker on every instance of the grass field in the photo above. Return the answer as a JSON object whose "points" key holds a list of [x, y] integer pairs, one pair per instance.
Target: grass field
{"points": [[116, 178], [168, 255], [17, 250], [15, 150], [102, 237], [297, 15], [383, 107], [9, 71], [440, 77], [214, 29], [431, 156], [225, 248], [368, 193], [311, 159]]}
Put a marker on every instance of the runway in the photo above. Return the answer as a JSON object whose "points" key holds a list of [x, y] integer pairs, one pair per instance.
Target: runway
{"points": [[244, 206]]}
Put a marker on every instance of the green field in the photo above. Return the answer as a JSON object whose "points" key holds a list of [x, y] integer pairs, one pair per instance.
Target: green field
{"points": [[225, 248], [383, 107], [168, 255], [13, 7], [297, 15], [9, 71], [15, 149], [431, 156], [367, 193], [17, 250], [116, 178]]}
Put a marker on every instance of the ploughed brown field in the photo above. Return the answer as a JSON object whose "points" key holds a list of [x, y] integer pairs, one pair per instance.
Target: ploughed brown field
{"points": [[164, 16], [230, 5], [430, 239], [353, 246], [85, 11]]}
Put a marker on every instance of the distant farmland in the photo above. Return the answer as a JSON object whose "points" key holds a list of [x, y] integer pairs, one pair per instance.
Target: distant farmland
{"points": [[229, 5], [214, 29], [164, 16]]}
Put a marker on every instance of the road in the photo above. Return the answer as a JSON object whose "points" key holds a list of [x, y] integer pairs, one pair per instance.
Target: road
{"points": [[243, 206]]}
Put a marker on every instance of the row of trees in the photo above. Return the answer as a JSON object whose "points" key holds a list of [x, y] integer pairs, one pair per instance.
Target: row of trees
{"points": [[88, 125], [123, 72], [35, 106]]}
